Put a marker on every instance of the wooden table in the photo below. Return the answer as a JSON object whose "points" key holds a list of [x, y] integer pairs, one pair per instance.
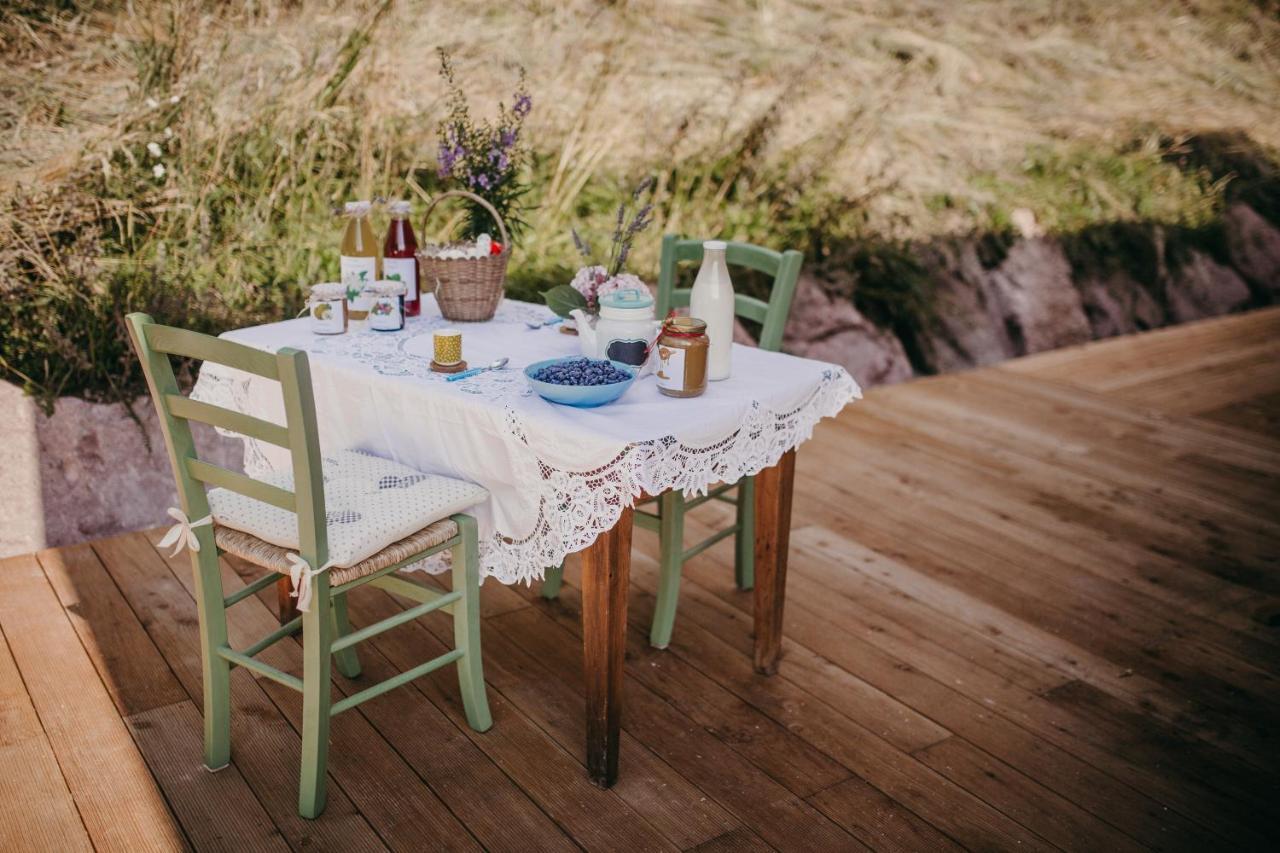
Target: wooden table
{"points": [[606, 567]]}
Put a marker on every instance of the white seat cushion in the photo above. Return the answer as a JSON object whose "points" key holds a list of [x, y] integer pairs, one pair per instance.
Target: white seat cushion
{"points": [[369, 502]]}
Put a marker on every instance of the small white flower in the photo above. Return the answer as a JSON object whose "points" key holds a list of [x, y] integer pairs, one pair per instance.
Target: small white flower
{"points": [[168, 133], [175, 99], [152, 103], [158, 170], [153, 148]]}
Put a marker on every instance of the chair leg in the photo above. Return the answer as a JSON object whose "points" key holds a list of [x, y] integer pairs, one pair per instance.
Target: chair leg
{"points": [[347, 659], [744, 556], [217, 670], [316, 640], [551, 581], [466, 625], [671, 538]]}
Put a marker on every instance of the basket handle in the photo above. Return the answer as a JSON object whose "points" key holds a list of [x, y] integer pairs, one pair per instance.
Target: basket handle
{"points": [[502, 227]]}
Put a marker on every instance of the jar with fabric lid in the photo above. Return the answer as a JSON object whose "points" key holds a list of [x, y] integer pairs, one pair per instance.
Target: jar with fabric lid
{"points": [[386, 308], [682, 349], [327, 306]]}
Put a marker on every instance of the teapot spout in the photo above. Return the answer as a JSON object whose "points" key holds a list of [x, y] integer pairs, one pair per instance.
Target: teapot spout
{"points": [[586, 331]]}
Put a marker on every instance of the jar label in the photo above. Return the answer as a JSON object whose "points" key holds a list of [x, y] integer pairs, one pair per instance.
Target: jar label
{"points": [[670, 373], [328, 317], [628, 351], [405, 270], [358, 273], [385, 314]]}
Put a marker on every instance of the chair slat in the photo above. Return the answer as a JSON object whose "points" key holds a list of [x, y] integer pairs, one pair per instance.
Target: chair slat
{"points": [[256, 489], [181, 342], [743, 305], [193, 410]]}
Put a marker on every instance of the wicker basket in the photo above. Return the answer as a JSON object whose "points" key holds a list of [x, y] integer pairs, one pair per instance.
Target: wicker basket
{"points": [[467, 289]]}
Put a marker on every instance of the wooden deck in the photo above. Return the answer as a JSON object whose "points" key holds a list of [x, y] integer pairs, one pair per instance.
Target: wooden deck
{"points": [[1029, 607]]}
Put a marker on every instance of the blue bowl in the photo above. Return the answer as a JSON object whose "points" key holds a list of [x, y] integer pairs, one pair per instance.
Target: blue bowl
{"points": [[582, 396]]}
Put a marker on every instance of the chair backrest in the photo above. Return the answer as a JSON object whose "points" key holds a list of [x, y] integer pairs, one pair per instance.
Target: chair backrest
{"points": [[155, 345], [771, 315]]}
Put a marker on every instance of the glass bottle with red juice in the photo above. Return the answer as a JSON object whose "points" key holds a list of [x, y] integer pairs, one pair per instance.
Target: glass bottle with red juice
{"points": [[399, 256]]}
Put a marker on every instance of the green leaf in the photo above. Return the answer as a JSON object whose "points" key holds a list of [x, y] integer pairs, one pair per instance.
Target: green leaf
{"points": [[563, 298]]}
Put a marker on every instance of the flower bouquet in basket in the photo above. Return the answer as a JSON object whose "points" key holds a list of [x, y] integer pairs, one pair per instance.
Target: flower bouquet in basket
{"points": [[595, 280], [483, 160]]}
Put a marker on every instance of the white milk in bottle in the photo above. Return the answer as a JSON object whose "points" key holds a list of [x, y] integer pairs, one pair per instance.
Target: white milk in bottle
{"points": [[712, 303]]}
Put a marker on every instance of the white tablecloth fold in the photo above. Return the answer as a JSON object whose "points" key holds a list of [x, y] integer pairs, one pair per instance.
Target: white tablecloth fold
{"points": [[557, 476]]}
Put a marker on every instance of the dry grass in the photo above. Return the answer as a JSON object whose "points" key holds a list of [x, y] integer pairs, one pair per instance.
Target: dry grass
{"points": [[782, 121]]}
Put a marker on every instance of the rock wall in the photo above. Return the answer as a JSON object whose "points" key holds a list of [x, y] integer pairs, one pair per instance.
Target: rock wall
{"points": [[1034, 298], [88, 470]]}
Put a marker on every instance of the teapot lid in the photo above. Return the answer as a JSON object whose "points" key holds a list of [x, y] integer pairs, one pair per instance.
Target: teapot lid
{"points": [[631, 298]]}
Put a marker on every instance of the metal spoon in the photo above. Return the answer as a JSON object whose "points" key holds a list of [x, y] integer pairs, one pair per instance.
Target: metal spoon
{"points": [[540, 323], [497, 365]]}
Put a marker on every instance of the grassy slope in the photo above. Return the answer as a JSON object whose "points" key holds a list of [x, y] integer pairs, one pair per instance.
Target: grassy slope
{"points": [[822, 125]]}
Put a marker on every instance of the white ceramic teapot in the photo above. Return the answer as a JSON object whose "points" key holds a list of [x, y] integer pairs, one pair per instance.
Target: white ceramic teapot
{"points": [[624, 330]]}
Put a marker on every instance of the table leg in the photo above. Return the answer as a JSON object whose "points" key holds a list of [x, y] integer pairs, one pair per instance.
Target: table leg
{"points": [[606, 565], [286, 604], [773, 538]]}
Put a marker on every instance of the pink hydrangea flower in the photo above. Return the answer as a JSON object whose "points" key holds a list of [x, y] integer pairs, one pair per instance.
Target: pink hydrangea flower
{"points": [[587, 281]]}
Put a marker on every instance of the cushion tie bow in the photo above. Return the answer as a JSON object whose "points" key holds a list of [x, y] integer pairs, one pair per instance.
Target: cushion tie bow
{"points": [[300, 574], [181, 535]]}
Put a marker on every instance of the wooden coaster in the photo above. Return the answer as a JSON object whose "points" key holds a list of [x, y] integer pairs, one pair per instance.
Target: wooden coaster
{"points": [[448, 368]]}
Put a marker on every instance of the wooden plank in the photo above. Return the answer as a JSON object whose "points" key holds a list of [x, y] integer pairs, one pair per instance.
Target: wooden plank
{"points": [[947, 603], [1098, 363], [532, 714], [473, 787], [210, 807], [759, 802], [878, 821], [217, 811], [934, 798], [389, 793], [119, 801], [1196, 645], [1052, 816], [1012, 724], [740, 840], [38, 813], [131, 667], [964, 558], [773, 531], [265, 747], [606, 563]]}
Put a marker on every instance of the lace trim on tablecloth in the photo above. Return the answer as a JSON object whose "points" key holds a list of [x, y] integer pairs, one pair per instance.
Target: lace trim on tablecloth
{"points": [[577, 506], [574, 507]]}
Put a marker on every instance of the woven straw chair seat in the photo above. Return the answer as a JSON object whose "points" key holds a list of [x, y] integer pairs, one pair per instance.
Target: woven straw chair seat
{"points": [[246, 546]]}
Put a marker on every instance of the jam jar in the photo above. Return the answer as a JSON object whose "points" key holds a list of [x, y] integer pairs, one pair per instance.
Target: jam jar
{"points": [[681, 352], [386, 311], [327, 306]]}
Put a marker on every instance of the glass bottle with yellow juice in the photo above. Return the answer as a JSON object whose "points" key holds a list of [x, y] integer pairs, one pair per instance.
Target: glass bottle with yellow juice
{"points": [[360, 264]]}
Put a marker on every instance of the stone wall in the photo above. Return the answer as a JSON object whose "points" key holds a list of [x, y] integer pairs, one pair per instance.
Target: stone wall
{"points": [[1034, 299], [88, 470]]}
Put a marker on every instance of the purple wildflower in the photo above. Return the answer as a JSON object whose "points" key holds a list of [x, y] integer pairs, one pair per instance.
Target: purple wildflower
{"points": [[523, 104]]}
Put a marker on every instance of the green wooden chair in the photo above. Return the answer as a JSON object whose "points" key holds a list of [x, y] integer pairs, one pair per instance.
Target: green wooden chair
{"points": [[668, 519], [326, 633]]}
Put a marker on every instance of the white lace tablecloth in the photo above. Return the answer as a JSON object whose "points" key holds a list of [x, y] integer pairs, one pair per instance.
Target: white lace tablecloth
{"points": [[557, 476]]}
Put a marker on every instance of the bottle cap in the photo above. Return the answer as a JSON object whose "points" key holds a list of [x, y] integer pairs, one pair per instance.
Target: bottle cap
{"points": [[399, 207], [714, 246], [357, 208]]}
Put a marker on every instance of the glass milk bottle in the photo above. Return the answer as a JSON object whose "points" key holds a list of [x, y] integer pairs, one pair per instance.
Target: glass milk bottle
{"points": [[358, 266], [712, 303]]}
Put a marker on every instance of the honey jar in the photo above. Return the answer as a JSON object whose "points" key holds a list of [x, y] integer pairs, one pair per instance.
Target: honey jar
{"points": [[681, 353], [327, 306]]}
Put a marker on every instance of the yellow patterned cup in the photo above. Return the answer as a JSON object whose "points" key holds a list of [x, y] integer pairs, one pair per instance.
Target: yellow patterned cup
{"points": [[447, 345]]}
